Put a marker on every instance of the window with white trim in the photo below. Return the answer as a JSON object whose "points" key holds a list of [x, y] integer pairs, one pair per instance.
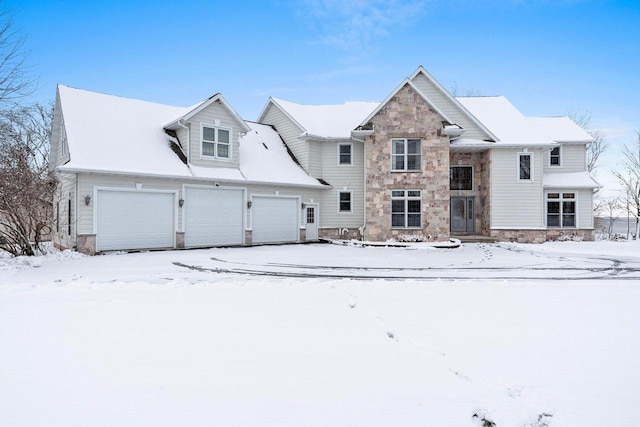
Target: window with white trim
{"points": [[525, 166], [555, 157], [406, 154], [561, 210], [406, 209], [461, 178], [216, 142], [344, 154], [344, 201]]}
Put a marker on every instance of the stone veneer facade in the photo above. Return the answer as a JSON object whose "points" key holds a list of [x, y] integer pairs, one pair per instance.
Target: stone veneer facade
{"points": [[407, 115], [481, 190]]}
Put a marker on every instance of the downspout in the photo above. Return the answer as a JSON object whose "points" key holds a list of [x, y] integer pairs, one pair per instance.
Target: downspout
{"points": [[364, 186]]}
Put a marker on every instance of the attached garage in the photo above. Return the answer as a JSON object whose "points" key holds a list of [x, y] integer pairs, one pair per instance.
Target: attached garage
{"points": [[275, 219], [213, 216], [128, 220]]}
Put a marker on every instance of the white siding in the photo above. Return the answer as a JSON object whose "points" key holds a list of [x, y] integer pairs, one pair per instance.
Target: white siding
{"points": [[573, 159], [585, 208], [445, 104], [66, 190], [342, 178], [209, 116], [315, 159], [87, 182], [289, 132], [516, 204]]}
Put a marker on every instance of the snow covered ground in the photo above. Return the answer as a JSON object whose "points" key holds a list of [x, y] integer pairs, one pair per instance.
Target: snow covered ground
{"points": [[324, 335]]}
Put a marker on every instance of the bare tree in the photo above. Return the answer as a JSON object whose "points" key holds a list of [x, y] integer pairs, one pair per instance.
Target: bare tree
{"points": [[16, 80], [607, 211], [27, 186], [629, 178], [599, 144]]}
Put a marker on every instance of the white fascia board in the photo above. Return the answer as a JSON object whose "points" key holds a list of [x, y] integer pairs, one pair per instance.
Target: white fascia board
{"points": [[217, 97], [273, 102], [190, 178], [457, 103]]}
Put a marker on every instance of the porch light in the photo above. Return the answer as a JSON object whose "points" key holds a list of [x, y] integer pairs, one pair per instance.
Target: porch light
{"points": [[249, 204], [87, 200], [181, 202]]}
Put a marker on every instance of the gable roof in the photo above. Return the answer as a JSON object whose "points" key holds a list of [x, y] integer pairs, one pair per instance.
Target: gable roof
{"points": [[407, 82], [111, 134], [450, 104], [115, 134], [512, 127], [204, 104], [324, 121]]}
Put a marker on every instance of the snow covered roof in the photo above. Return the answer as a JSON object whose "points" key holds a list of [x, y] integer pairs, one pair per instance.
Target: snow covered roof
{"points": [[560, 129], [569, 180], [114, 134], [264, 158], [111, 134], [327, 121], [512, 127], [503, 119]]}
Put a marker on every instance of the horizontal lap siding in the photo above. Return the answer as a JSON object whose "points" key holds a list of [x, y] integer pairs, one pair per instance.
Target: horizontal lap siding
{"points": [[573, 160], [341, 177], [585, 208], [290, 133], [307, 195], [515, 204], [208, 116]]}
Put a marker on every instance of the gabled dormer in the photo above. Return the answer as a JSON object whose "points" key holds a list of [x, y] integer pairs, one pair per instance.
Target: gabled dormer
{"points": [[209, 133]]}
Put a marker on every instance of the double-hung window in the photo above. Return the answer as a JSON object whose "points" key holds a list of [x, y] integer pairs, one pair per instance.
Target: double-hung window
{"points": [[406, 209], [561, 210], [216, 142], [344, 154], [525, 166], [344, 201], [461, 178], [555, 157], [406, 154]]}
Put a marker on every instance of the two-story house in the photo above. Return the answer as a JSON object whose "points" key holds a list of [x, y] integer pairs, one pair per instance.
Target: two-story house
{"points": [[420, 165]]}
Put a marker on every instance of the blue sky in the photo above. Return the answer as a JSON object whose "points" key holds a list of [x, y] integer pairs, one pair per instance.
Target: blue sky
{"points": [[548, 57]]}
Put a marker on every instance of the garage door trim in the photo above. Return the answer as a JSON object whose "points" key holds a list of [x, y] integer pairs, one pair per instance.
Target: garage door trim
{"points": [[183, 223], [298, 200], [96, 190]]}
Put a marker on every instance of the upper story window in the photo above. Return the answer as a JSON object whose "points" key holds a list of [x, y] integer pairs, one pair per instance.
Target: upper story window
{"points": [[461, 178], [555, 156], [406, 209], [344, 154], [561, 210], [216, 142], [406, 154], [525, 166]]}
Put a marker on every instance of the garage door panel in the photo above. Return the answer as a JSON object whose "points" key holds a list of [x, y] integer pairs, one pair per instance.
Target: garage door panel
{"points": [[134, 220], [213, 217], [274, 220]]}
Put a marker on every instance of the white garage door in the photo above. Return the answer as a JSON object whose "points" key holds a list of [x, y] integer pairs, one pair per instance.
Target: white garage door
{"points": [[213, 217], [134, 220], [274, 219]]}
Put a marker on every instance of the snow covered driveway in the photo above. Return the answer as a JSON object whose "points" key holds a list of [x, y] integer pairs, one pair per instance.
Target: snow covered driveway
{"points": [[319, 335]]}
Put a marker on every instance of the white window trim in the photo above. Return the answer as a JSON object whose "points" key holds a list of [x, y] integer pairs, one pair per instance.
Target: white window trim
{"points": [[216, 127], [350, 145], [406, 211], [559, 165], [350, 211], [546, 208], [473, 171], [406, 154], [530, 154]]}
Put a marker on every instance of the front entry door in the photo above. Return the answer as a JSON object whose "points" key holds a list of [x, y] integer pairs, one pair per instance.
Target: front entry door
{"points": [[462, 214], [311, 222]]}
